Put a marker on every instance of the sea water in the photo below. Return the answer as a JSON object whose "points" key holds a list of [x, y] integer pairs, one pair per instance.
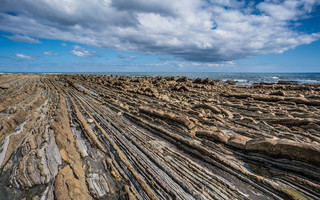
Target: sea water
{"points": [[239, 78]]}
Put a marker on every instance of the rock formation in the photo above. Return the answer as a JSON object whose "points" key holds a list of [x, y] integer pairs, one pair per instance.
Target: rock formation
{"points": [[110, 137]]}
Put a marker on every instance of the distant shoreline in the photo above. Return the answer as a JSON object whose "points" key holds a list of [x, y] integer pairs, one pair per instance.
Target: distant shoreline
{"points": [[242, 78]]}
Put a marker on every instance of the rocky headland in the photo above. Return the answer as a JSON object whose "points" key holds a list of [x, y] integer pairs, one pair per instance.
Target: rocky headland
{"points": [[110, 137]]}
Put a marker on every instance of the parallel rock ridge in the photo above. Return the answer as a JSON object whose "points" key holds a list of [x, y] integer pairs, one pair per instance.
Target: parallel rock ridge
{"points": [[109, 137]]}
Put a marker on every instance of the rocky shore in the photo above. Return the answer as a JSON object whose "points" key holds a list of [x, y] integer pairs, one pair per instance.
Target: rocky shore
{"points": [[109, 137]]}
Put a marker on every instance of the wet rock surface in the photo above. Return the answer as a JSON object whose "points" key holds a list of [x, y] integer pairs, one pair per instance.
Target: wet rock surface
{"points": [[109, 137]]}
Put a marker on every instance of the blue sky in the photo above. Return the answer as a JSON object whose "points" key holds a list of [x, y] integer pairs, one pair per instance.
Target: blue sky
{"points": [[166, 36]]}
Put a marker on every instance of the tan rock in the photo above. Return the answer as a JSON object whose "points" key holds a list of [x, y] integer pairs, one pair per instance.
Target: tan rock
{"points": [[238, 141], [215, 135]]}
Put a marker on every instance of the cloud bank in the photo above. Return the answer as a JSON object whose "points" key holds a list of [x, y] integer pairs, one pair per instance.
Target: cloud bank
{"points": [[194, 30]]}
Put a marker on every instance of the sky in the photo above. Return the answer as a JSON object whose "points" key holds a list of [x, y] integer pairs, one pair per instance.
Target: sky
{"points": [[159, 36]]}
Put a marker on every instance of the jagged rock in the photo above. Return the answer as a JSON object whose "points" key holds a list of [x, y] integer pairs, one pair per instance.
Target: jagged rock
{"points": [[215, 135], [210, 107], [98, 185], [288, 82], [69, 187], [286, 149], [197, 80], [150, 89], [170, 116], [277, 93], [238, 141], [182, 88], [4, 86], [206, 81], [182, 79]]}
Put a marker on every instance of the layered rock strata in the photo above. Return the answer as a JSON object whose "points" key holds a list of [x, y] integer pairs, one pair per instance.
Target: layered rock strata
{"points": [[109, 137]]}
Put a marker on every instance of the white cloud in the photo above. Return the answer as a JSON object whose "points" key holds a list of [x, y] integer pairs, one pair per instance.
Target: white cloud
{"points": [[81, 52], [124, 56], [25, 57], [64, 44], [196, 30], [287, 10], [22, 38], [77, 47], [50, 53]]}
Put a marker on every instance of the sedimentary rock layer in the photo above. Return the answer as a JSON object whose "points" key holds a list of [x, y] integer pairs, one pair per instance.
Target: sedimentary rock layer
{"points": [[108, 137]]}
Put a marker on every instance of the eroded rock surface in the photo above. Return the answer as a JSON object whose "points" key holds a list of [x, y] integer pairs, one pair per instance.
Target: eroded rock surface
{"points": [[109, 137]]}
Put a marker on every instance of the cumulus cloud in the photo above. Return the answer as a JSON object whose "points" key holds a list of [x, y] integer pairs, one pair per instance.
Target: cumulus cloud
{"points": [[194, 30], [81, 52], [50, 53], [22, 38], [25, 57], [63, 44]]}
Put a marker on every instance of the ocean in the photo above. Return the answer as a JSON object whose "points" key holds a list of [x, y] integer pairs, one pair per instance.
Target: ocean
{"points": [[240, 78]]}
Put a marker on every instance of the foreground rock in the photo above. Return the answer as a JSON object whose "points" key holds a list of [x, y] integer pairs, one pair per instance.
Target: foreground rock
{"points": [[109, 137]]}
